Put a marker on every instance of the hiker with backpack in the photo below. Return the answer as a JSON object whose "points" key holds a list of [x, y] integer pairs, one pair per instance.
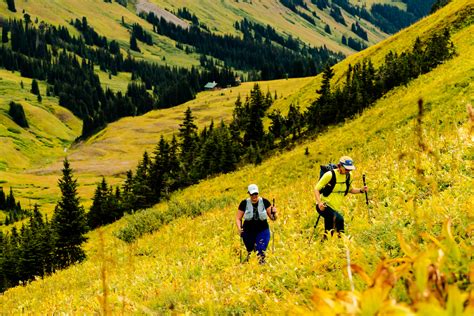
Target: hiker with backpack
{"points": [[254, 230], [334, 184]]}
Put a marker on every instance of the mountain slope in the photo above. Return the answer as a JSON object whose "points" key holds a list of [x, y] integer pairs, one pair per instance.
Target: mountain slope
{"points": [[113, 21], [417, 181]]}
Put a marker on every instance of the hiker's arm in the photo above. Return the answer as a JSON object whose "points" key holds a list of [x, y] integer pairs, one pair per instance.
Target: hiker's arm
{"points": [[320, 204], [238, 220], [359, 191], [319, 186], [272, 212]]}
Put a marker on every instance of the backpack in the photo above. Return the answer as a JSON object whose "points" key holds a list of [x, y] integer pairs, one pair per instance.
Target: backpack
{"points": [[327, 190]]}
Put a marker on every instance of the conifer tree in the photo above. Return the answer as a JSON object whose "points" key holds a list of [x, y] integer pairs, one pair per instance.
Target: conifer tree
{"points": [[69, 222], [35, 87], [99, 214], [257, 105], [319, 113], [188, 136], [133, 43], [4, 34], [3, 201], [142, 192], [11, 5], [17, 113]]}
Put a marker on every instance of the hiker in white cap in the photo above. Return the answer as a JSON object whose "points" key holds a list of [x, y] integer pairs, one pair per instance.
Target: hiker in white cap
{"points": [[330, 191], [255, 231]]}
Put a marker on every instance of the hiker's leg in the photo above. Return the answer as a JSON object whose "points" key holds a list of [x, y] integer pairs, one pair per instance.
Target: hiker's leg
{"points": [[249, 241], [339, 222], [328, 215], [263, 238]]}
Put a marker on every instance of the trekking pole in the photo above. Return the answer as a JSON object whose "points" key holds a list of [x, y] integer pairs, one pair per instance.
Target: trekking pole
{"points": [[366, 197], [273, 232]]}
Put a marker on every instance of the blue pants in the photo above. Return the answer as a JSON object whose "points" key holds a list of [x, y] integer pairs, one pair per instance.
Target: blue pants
{"points": [[332, 219], [257, 241]]}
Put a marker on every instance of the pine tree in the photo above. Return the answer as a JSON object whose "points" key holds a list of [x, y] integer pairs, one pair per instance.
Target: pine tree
{"points": [[17, 113], [142, 191], [4, 34], [320, 112], [98, 214], [35, 87], [69, 222], [257, 105], [3, 201], [11, 5], [133, 43], [188, 136]]}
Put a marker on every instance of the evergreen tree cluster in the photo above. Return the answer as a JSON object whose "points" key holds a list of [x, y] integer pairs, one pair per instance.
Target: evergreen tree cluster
{"points": [[42, 246], [186, 159], [258, 32], [364, 84], [251, 54], [28, 253], [336, 14], [17, 114], [91, 37], [184, 13], [293, 4], [139, 33], [11, 207], [321, 4], [388, 18], [438, 5], [359, 30], [79, 88], [353, 43]]}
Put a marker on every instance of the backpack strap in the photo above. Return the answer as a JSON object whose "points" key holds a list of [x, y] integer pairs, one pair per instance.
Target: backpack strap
{"points": [[348, 183]]}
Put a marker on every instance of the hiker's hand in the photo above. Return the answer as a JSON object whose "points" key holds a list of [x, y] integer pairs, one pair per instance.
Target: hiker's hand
{"points": [[241, 231], [321, 206], [274, 213], [364, 189]]}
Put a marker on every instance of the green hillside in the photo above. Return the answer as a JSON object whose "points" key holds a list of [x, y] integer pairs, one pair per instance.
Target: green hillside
{"points": [[413, 255], [106, 19], [52, 127]]}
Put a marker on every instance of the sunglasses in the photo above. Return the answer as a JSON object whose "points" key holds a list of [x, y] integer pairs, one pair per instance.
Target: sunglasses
{"points": [[254, 194]]}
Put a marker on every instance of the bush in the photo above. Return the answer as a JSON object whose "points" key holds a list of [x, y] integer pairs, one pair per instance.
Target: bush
{"points": [[150, 220]]}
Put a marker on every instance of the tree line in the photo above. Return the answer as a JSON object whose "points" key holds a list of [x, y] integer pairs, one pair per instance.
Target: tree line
{"points": [[77, 85], [43, 246], [192, 155], [256, 54], [12, 208]]}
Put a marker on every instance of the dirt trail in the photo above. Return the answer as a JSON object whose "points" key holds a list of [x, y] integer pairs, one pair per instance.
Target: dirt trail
{"points": [[146, 6]]}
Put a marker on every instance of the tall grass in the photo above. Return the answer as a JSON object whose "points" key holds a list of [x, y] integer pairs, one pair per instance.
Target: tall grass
{"points": [[412, 256]]}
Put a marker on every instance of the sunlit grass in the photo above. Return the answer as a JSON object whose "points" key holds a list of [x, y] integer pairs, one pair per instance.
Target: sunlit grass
{"points": [[191, 265]]}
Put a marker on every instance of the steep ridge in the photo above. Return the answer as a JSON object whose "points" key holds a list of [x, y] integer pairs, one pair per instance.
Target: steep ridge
{"points": [[192, 264]]}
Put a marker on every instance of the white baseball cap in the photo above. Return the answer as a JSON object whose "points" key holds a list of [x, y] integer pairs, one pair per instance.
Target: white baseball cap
{"points": [[253, 188], [347, 162]]}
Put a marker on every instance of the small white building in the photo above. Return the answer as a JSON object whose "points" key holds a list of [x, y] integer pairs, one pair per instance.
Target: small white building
{"points": [[211, 86]]}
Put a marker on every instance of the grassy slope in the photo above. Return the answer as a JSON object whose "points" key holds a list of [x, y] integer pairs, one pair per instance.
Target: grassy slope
{"points": [[105, 18], [191, 263], [106, 154], [52, 128]]}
